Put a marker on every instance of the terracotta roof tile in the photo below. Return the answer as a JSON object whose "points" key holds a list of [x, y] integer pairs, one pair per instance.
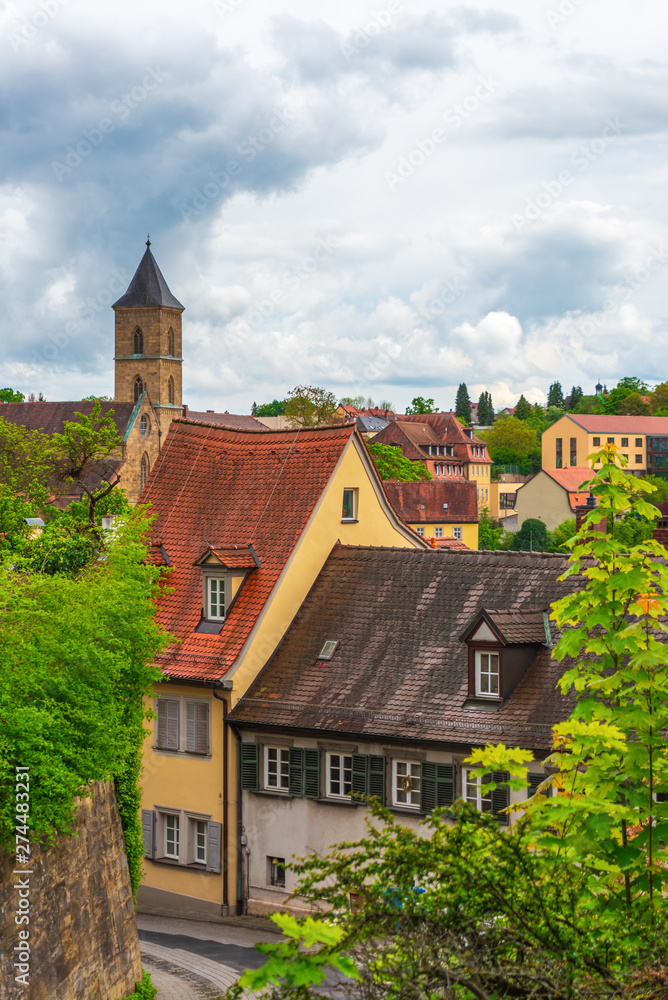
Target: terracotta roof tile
{"points": [[571, 479], [216, 487], [401, 667], [604, 424], [237, 421], [436, 500]]}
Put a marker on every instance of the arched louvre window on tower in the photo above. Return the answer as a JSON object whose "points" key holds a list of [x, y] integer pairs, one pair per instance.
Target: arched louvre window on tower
{"points": [[138, 342], [139, 387]]}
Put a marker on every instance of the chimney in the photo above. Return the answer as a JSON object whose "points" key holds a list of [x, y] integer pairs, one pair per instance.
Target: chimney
{"points": [[582, 510], [661, 531], [185, 409]]}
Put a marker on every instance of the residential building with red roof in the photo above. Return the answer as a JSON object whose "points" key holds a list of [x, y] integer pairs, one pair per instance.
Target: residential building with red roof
{"points": [[552, 495], [245, 521], [447, 448], [439, 510], [387, 696], [643, 441]]}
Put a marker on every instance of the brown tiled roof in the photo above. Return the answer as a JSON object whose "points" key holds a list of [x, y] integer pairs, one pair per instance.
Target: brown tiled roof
{"points": [[604, 424], [49, 417], [422, 502], [447, 543], [519, 626], [215, 487], [412, 431], [237, 421], [401, 666]]}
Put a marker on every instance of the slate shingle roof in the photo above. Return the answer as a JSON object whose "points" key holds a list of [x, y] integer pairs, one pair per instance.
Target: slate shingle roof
{"points": [[401, 667], [408, 499], [148, 287], [216, 487]]}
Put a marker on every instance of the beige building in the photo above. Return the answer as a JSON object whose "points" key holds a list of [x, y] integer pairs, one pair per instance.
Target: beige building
{"points": [[552, 495], [643, 441]]}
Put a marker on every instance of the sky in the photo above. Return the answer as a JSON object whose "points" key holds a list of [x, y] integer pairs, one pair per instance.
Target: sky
{"points": [[383, 200]]}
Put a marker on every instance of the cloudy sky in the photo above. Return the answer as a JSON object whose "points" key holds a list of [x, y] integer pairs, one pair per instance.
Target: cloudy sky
{"points": [[385, 200]]}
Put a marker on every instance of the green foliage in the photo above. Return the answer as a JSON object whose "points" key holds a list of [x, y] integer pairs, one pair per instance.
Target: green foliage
{"points": [[533, 536], [463, 404], [660, 487], [274, 409], [589, 404], [309, 406], [485, 409], [391, 464], [523, 409], [634, 404], [659, 398], [101, 399], [25, 457], [552, 414], [421, 405], [555, 396], [574, 397], [562, 534], [75, 661], [8, 395], [144, 990], [489, 531], [633, 384], [512, 441]]}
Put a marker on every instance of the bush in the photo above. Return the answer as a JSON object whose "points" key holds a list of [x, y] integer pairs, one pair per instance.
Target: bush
{"points": [[144, 990]]}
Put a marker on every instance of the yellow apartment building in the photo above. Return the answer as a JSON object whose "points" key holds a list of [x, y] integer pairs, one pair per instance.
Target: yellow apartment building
{"points": [[643, 441]]}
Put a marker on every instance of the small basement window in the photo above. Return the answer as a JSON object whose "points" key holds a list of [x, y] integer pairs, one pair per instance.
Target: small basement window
{"points": [[327, 651]]}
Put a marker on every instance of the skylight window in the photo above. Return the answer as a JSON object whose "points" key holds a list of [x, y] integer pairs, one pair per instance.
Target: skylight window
{"points": [[327, 651]]}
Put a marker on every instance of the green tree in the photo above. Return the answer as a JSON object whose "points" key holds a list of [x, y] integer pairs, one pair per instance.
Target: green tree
{"points": [[420, 405], [513, 442], [25, 457], [93, 398], [274, 409], [533, 536], [634, 404], [310, 406], [489, 531], [574, 397], [523, 409], [485, 409], [391, 464], [463, 404], [553, 414], [8, 395], [555, 396], [633, 384], [562, 534], [659, 399]]}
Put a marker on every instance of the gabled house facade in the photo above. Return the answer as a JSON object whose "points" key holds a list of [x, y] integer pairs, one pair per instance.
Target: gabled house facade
{"points": [[552, 496], [444, 446], [437, 509], [245, 522], [387, 697]]}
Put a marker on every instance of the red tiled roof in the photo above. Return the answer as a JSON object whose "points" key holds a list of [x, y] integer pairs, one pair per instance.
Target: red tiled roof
{"points": [[237, 421], [215, 487], [415, 430], [570, 479], [448, 543], [230, 556], [409, 499], [604, 424]]}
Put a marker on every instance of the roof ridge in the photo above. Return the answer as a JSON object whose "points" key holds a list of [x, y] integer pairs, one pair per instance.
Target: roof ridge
{"points": [[264, 430]]}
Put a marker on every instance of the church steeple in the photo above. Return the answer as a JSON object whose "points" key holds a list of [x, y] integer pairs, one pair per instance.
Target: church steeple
{"points": [[148, 342]]}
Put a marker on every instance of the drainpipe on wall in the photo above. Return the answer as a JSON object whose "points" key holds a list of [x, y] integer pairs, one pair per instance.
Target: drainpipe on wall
{"points": [[227, 685]]}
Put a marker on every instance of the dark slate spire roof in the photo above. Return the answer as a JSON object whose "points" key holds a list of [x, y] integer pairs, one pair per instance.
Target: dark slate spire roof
{"points": [[148, 287]]}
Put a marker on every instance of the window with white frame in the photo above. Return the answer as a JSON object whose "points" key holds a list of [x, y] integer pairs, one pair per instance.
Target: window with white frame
{"points": [[349, 506], [182, 837], [420, 531], [172, 837], [183, 725], [487, 674], [473, 789], [214, 609], [457, 533], [406, 783], [277, 768], [339, 775], [438, 532]]}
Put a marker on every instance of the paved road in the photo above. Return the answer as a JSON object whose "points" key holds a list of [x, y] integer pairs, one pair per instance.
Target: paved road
{"points": [[231, 955]]}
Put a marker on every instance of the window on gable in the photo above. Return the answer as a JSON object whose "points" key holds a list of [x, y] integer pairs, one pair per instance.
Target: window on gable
{"points": [[406, 783], [215, 599], [277, 768], [339, 774], [487, 674], [349, 510], [143, 426]]}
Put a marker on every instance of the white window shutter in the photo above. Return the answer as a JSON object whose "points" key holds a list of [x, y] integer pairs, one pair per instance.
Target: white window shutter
{"points": [[214, 841]]}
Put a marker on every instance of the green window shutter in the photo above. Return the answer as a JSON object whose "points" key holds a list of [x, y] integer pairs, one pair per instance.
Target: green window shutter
{"points": [[533, 781], [428, 789], [250, 767], [360, 773], [445, 784], [311, 773], [296, 780], [500, 797], [377, 778]]}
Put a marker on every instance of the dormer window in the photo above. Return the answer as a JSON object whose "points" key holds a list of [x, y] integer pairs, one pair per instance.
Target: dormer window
{"points": [[224, 569], [502, 645], [487, 674], [215, 604]]}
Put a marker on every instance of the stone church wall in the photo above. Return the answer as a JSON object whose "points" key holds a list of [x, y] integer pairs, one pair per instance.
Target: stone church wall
{"points": [[83, 935]]}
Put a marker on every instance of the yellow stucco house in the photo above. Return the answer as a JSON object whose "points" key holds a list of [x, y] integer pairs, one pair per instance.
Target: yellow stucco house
{"points": [[245, 523], [643, 441], [437, 509]]}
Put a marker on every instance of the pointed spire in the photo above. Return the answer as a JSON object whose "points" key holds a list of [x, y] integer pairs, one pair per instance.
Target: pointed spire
{"points": [[148, 287]]}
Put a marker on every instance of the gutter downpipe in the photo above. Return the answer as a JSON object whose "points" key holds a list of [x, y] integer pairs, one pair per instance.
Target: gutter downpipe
{"points": [[242, 904], [214, 689]]}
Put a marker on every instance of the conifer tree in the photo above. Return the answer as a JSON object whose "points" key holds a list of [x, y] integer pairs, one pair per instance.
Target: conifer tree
{"points": [[463, 404], [575, 396], [555, 396], [523, 409], [485, 409]]}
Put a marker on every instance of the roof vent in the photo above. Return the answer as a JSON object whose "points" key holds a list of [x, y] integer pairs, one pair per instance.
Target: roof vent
{"points": [[327, 651]]}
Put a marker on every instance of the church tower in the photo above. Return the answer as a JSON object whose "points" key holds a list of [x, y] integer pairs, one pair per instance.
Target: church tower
{"points": [[148, 354]]}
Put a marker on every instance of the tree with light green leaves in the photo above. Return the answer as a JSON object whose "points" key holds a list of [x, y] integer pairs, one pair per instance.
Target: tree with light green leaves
{"points": [[420, 405], [310, 406], [392, 464]]}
